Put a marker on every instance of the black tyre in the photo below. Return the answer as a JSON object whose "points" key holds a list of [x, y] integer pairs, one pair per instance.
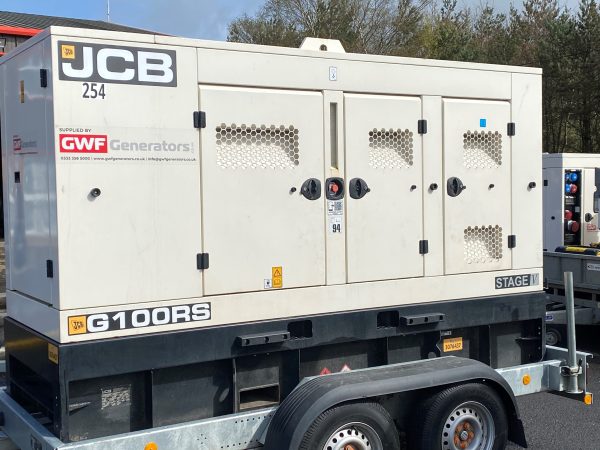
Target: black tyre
{"points": [[463, 417], [553, 336], [360, 426]]}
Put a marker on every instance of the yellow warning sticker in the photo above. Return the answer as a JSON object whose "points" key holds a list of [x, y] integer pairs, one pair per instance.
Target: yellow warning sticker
{"points": [[22, 91], [77, 325], [453, 344], [53, 353], [67, 51], [277, 277]]}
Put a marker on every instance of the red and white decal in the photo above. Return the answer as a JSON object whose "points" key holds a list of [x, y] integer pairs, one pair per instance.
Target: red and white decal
{"points": [[83, 143], [16, 143]]}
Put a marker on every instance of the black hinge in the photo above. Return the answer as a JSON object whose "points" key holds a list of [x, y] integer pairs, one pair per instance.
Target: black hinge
{"points": [[202, 261], [49, 268], [423, 247], [512, 241], [199, 119], [422, 127], [545, 182], [44, 78], [511, 129]]}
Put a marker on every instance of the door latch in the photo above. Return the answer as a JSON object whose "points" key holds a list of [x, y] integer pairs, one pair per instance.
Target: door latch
{"points": [[358, 188], [455, 186], [311, 189]]}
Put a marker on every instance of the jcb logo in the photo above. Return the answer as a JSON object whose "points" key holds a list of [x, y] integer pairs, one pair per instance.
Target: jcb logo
{"points": [[114, 64], [68, 51], [83, 143]]}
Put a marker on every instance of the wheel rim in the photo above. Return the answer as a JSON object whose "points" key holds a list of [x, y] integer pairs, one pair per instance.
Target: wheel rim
{"points": [[354, 436], [470, 426], [551, 337]]}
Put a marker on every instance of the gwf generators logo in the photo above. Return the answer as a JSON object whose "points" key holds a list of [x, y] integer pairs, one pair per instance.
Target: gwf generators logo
{"points": [[83, 143], [80, 61]]}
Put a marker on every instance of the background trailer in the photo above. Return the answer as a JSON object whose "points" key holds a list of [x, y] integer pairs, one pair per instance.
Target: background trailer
{"points": [[194, 227]]}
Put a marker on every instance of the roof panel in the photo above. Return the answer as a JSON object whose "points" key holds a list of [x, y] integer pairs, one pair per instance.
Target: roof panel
{"points": [[35, 21]]}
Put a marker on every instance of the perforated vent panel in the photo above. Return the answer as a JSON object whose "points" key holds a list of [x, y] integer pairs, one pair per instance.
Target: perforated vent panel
{"points": [[390, 149], [483, 244], [257, 146], [482, 149]]}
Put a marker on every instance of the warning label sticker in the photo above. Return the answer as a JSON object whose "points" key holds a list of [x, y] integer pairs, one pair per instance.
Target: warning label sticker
{"points": [[277, 277], [53, 353], [453, 344]]}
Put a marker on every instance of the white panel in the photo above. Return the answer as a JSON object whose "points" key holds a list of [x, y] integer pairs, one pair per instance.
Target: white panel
{"points": [[433, 199], [139, 239], [477, 152], [333, 115], [297, 72], [26, 152], [258, 148], [383, 148], [526, 110], [263, 306], [553, 207]]}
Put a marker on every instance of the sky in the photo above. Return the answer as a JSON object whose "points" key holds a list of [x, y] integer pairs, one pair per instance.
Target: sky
{"points": [[205, 19]]}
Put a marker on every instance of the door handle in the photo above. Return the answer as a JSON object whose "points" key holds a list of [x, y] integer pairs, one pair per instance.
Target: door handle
{"points": [[358, 188], [455, 186], [311, 189]]}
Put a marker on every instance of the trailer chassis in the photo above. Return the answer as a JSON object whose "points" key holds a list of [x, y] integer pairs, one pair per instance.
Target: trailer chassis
{"points": [[248, 430]]}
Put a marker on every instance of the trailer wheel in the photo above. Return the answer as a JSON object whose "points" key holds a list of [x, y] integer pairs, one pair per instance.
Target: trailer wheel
{"points": [[553, 336], [463, 417], [353, 426]]}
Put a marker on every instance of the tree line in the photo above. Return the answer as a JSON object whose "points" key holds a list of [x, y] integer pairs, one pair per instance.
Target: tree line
{"points": [[539, 33]]}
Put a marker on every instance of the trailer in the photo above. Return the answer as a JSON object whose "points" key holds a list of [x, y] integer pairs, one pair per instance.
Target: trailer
{"points": [[215, 245], [586, 276]]}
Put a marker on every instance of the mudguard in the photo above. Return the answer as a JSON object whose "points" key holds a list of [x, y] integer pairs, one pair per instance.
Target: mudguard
{"points": [[299, 410]]}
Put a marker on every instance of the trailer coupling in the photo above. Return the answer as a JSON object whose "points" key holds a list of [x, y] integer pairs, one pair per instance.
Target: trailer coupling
{"points": [[551, 375]]}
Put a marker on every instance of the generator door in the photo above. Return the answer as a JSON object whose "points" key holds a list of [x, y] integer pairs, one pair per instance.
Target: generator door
{"points": [[262, 182], [384, 187], [477, 205]]}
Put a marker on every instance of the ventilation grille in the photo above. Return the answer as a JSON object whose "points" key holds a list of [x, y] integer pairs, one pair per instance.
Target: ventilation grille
{"points": [[483, 244], [390, 149], [257, 146], [483, 149]]}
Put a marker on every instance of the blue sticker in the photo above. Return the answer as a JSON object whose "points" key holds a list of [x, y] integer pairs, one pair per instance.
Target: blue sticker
{"points": [[482, 123]]}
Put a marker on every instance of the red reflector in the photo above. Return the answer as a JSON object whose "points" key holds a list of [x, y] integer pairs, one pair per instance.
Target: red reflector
{"points": [[325, 371]]}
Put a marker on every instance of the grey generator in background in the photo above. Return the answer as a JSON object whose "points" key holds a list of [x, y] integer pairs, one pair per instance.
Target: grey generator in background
{"points": [[571, 225], [214, 245]]}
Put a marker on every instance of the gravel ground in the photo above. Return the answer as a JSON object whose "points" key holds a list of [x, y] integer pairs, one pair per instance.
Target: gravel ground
{"points": [[552, 422]]}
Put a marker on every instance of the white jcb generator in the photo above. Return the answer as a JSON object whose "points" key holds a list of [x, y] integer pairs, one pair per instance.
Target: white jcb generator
{"points": [[223, 246]]}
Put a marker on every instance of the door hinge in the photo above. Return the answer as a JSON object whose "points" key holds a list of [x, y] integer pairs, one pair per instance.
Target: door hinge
{"points": [[423, 247], [512, 241], [511, 129], [49, 268], [44, 78], [199, 119], [202, 261], [422, 126]]}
